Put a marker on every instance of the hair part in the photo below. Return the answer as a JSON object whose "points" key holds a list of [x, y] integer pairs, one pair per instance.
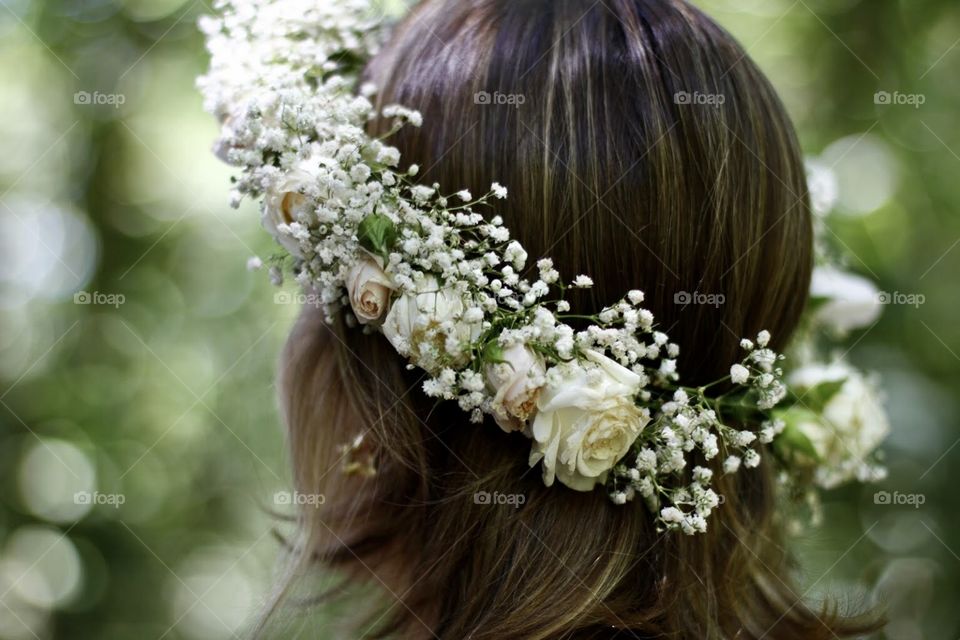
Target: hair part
{"points": [[611, 176]]}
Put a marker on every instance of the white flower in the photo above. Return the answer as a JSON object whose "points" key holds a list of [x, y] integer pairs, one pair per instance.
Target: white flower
{"points": [[515, 254], [389, 156], [369, 288], [852, 426], [473, 315], [360, 173], [672, 515], [849, 301], [824, 187], [587, 419], [582, 282], [517, 382], [499, 191], [739, 374], [286, 204], [731, 464], [419, 325]]}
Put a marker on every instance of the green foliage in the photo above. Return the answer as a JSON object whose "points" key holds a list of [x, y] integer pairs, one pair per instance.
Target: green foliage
{"points": [[793, 441], [816, 398], [378, 235]]}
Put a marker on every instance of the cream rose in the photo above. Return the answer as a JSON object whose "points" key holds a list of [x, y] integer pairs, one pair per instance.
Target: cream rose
{"points": [[586, 421], [428, 325], [517, 382], [286, 204], [370, 289], [852, 426]]}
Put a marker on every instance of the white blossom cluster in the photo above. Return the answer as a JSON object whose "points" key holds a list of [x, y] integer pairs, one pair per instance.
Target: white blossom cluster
{"points": [[447, 285], [690, 426]]}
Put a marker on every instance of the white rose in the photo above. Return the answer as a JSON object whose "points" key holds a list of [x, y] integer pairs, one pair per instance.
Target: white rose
{"points": [[424, 325], [851, 301], [517, 383], [370, 289], [286, 203], [586, 421], [853, 425]]}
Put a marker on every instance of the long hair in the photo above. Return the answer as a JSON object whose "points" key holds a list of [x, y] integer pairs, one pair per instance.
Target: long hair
{"points": [[641, 146]]}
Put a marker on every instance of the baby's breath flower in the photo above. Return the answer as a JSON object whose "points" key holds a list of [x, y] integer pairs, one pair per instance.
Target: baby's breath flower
{"points": [[739, 374], [731, 464]]}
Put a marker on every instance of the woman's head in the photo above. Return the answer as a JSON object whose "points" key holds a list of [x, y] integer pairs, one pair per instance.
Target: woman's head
{"points": [[641, 146]]}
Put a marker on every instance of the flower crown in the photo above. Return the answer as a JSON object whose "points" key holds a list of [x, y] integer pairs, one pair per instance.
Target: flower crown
{"points": [[444, 283]]}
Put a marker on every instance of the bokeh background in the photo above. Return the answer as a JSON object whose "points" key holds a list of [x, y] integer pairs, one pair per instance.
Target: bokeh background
{"points": [[140, 445]]}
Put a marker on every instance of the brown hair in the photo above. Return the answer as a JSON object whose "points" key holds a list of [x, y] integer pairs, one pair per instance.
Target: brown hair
{"points": [[580, 108]]}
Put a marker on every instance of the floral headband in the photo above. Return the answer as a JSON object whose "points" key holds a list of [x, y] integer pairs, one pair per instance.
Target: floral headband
{"points": [[444, 283]]}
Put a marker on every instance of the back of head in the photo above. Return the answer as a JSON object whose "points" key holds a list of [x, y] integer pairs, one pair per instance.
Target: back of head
{"points": [[640, 145]]}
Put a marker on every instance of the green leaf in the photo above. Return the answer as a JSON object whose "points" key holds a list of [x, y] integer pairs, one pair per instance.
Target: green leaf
{"points": [[378, 235], [792, 440], [817, 397], [493, 353], [815, 303]]}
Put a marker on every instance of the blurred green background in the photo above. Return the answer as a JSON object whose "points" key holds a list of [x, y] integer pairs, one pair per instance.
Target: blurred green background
{"points": [[140, 445]]}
